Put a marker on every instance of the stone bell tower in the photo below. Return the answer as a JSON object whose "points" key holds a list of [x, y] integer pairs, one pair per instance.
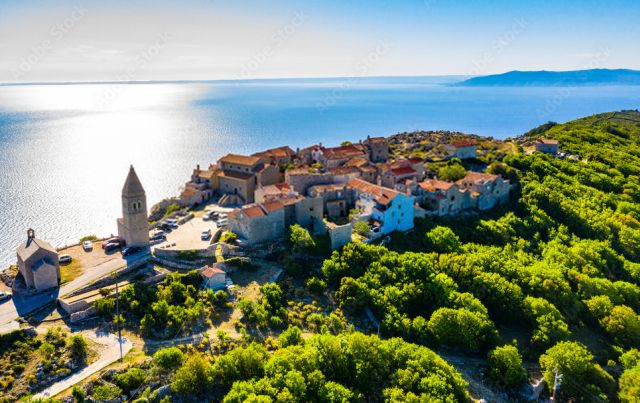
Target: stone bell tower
{"points": [[133, 226]]}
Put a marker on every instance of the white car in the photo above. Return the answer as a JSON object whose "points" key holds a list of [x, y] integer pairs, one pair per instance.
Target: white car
{"points": [[87, 245], [65, 259], [206, 234]]}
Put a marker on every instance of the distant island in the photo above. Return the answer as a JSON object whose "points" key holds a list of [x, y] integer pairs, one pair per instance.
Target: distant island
{"points": [[554, 78]]}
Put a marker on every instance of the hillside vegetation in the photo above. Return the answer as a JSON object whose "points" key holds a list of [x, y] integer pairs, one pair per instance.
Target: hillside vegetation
{"points": [[550, 282]]}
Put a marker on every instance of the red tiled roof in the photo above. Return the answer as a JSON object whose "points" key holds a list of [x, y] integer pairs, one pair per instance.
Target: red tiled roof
{"points": [[253, 211], [473, 177], [189, 191], [547, 141], [348, 151], [239, 159], [234, 174], [209, 271], [403, 171], [431, 185], [279, 152], [463, 143], [377, 140], [356, 162], [344, 170], [382, 195], [272, 206], [415, 160]]}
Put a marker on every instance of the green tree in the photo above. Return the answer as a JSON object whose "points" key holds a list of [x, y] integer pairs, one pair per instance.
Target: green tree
{"points": [[193, 377], [629, 385], [582, 378], [78, 348], [169, 359], [505, 366], [443, 240], [300, 239], [291, 336], [451, 172], [78, 394], [132, 379], [462, 328]]}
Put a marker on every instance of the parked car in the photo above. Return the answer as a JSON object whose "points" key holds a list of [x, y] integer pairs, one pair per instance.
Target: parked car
{"points": [[87, 246], [207, 216], [206, 234], [165, 227], [113, 240], [131, 250], [157, 232], [172, 222], [111, 246], [5, 296], [223, 222], [65, 259], [158, 237]]}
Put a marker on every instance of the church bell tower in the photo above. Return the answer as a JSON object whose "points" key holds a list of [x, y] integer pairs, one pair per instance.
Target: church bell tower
{"points": [[133, 226]]}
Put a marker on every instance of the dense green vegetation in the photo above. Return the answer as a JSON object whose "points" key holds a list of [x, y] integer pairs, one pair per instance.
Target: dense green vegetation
{"points": [[561, 263], [176, 307], [549, 282]]}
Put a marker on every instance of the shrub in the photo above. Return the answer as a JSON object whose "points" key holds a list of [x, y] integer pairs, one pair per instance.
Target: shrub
{"points": [[130, 380], [229, 237], [106, 392], [91, 237], [505, 366], [172, 208], [78, 394], [315, 285], [362, 228], [169, 359], [78, 347], [290, 337]]}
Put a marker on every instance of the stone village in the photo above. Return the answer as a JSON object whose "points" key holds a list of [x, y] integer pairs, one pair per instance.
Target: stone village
{"points": [[322, 189]]}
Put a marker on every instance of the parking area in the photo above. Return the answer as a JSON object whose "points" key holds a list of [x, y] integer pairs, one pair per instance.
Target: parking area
{"points": [[188, 235]]}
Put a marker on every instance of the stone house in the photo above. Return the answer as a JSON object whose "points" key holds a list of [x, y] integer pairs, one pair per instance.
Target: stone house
{"points": [[344, 174], [463, 149], [368, 171], [378, 148], [38, 263], [301, 178], [200, 188], [277, 156], [304, 211], [336, 198], [332, 157], [442, 198], [238, 176], [547, 146], [259, 222], [486, 190], [386, 209], [401, 170], [213, 278]]}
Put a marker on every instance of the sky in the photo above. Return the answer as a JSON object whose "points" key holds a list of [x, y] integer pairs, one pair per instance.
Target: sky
{"points": [[136, 40]]}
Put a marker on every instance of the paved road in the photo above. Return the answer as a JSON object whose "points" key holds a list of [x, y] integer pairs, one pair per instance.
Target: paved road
{"points": [[21, 305], [107, 357]]}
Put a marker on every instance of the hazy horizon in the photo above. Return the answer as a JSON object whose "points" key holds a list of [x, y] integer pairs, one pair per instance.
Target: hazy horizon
{"points": [[204, 40]]}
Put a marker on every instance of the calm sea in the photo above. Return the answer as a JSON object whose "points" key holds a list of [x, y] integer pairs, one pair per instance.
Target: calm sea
{"points": [[65, 149]]}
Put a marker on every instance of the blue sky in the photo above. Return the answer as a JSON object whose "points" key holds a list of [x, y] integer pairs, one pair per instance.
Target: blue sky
{"points": [[214, 39]]}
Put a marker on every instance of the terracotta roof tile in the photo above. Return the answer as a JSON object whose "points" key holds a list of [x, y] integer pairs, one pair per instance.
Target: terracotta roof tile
{"points": [[209, 271], [463, 143], [403, 171], [382, 195], [543, 140], [240, 159]]}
